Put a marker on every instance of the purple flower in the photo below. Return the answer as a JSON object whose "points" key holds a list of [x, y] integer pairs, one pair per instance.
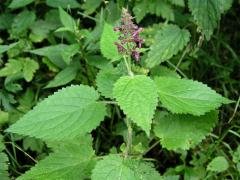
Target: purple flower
{"points": [[129, 38]]}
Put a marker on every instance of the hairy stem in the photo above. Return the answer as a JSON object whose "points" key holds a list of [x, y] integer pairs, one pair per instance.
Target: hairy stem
{"points": [[128, 66]]}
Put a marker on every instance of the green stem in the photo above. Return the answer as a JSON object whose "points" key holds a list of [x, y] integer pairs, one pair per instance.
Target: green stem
{"points": [[129, 138], [128, 66]]}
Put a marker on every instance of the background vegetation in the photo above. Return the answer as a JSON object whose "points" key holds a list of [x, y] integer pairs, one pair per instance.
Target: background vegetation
{"points": [[40, 52]]}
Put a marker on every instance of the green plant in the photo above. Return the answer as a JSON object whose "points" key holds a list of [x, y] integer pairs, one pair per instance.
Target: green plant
{"points": [[123, 92]]}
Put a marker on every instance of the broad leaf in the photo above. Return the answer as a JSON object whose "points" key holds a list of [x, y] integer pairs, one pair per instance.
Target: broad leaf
{"points": [[137, 97], [183, 131], [64, 115], [218, 164], [177, 2], [106, 79], [67, 20], [163, 71], [168, 42], [69, 52], [19, 3], [63, 3], [207, 14], [29, 68], [116, 167], [73, 160], [65, 76], [187, 96], [22, 21], [108, 49]]}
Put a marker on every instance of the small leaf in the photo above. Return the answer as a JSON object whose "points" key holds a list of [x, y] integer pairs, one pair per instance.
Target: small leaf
{"points": [[69, 52], [4, 48], [137, 97], [12, 67], [19, 3], [108, 49], [183, 131], [116, 167], [90, 6], [63, 3], [22, 21], [106, 79], [218, 164], [187, 96], [65, 76], [62, 116], [73, 160], [29, 68], [67, 20], [177, 2], [168, 42], [207, 14]]}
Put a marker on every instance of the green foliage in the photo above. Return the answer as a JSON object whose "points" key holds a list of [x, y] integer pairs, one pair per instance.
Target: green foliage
{"points": [[106, 79], [63, 77], [184, 131], [116, 167], [218, 164], [187, 96], [3, 161], [112, 113], [171, 40], [108, 49], [19, 3], [207, 14], [62, 116], [67, 21], [22, 22], [73, 160], [63, 3], [130, 93]]}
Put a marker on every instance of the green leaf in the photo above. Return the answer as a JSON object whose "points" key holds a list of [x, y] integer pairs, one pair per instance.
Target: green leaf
{"points": [[3, 161], [90, 6], [54, 53], [207, 14], [163, 71], [64, 115], [3, 117], [63, 3], [6, 20], [108, 49], [163, 9], [218, 164], [22, 22], [4, 48], [184, 131], [29, 68], [137, 97], [140, 10], [65, 76], [187, 96], [177, 2], [67, 20], [168, 42], [116, 167], [73, 160], [19, 3], [11, 67], [106, 79], [69, 52]]}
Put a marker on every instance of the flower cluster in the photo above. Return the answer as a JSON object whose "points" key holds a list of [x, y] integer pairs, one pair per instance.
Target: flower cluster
{"points": [[129, 39]]}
